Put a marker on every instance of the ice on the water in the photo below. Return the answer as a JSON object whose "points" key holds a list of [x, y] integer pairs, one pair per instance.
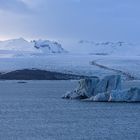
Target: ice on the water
{"points": [[107, 89]]}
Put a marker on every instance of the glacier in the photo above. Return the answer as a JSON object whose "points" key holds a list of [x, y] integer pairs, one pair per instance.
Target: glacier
{"points": [[20, 54]]}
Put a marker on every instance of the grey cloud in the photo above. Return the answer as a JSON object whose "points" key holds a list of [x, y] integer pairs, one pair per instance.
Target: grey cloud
{"points": [[82, 19], [16, 6]]}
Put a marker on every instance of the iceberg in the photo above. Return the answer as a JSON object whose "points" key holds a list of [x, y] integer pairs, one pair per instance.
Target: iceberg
{"points": [[108, 89]]}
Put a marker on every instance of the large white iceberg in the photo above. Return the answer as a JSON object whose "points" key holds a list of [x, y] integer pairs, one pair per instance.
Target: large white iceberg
{"points": [[107, 89]]}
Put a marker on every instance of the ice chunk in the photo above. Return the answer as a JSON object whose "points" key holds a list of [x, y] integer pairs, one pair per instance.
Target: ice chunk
{"points": [[92, 86], [128, 95], [108, 83], [107, 89]]}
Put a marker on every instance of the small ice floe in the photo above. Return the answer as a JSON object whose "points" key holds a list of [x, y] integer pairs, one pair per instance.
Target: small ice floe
{"points": [[21, 82], [107, 89]]}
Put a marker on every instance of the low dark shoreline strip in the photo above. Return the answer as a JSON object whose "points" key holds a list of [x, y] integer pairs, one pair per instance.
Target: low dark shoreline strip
{"points": [[36, 74]]}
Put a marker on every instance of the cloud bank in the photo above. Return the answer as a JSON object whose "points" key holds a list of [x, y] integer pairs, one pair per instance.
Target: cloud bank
{"points": [[97, 20]]}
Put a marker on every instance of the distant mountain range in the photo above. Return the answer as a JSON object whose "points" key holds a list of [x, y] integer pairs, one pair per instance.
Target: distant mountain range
{"points": [[105, 48], [22, 47]]}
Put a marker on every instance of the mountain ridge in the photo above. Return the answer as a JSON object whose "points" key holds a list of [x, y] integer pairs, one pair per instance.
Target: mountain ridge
{"points": [[22, 47], [108, 48]]}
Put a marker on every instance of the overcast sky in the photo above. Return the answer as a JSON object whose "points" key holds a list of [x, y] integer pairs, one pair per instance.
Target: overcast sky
{"points": [[97, 20]]}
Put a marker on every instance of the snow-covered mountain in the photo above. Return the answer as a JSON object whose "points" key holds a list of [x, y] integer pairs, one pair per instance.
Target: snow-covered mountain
{"points": [[22, 47], [17, 45], [107, 48], [49, 47]]}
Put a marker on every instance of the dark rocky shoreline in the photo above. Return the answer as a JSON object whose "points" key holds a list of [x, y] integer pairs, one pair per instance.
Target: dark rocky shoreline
{"points": [[36, 74]]}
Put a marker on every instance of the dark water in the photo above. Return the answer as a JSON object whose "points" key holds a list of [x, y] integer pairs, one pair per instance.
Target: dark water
{"points": [[35, 111]]}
